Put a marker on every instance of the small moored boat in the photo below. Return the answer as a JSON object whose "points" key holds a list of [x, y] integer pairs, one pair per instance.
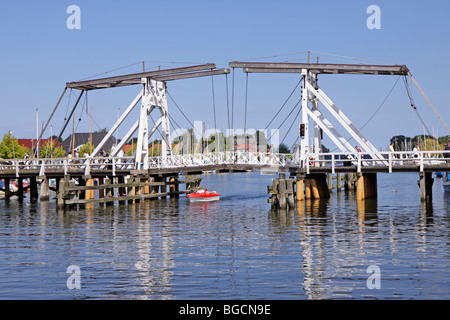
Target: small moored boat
{"points": [[203, 195]]}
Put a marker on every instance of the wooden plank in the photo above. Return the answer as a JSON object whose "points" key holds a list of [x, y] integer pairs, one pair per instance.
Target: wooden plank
{"points": [[321, 68], [192, 75], [131, 78], [125, 185], [122, 198]]}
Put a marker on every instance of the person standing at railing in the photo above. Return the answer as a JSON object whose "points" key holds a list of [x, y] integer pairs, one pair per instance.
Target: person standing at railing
{"points": [[392, 150], [391, 147], [447, 148], [416, 151], [26, 162]]}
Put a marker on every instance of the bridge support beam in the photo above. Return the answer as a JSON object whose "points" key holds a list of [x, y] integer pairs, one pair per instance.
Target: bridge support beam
{"points": [[90, 194], [44, 189], [366, 186], [300, 188], [425, 184], [7, 189], [174, 188], [316, 186]]}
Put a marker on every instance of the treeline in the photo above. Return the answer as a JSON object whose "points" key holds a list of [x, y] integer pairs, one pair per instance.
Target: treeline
{"points": [[425, 142], [11, 149]]}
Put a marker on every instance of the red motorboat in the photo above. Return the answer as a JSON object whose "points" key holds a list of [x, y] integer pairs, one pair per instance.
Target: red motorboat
{"points": [[203, 195]]}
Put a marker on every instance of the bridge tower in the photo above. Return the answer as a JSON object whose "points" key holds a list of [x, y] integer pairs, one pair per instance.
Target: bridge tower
{"points": [[153, 99], [313, 123]]}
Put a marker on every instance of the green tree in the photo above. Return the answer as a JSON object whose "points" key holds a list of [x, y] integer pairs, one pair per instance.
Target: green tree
{"points": [[10, 148], [131, 150], [86, 148], [44, 150], [154, 148]]}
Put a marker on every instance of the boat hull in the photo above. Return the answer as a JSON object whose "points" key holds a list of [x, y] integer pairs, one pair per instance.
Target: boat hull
{"points": [[203, 198]]}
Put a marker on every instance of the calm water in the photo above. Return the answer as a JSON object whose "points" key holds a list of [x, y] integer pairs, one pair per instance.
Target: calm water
{"points": [[232, 249]]}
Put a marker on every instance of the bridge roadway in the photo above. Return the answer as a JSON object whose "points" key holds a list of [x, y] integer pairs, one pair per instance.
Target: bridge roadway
{"points": [[96, 167]]}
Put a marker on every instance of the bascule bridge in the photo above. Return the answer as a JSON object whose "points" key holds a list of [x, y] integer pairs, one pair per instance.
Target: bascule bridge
{"points": [[308, 166]]}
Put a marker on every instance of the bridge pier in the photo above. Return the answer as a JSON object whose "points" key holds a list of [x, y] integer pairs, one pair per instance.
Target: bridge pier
{"points": [[44, 189], [310, 186], [366, 186], [318, 186], [300, 188], [20, 190], [425, 184], [7, 189], [174, 188]]}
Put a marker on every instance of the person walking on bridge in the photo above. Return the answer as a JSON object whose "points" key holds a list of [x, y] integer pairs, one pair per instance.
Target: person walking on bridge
{"points": [[416, 151], [391, 149]]}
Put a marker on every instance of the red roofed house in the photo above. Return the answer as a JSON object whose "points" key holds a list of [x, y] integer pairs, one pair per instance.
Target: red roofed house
{"points": [[30, 143]]}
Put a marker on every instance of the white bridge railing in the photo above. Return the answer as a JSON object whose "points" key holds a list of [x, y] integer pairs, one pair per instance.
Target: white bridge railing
{"points": [[268, 160], [218, 158], [387, 159]]}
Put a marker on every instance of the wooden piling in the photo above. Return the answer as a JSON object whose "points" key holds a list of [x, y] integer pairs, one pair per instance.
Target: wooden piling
{"points": [[44, 192], [174, 188], [282, 192], [101, 192], [156, 189], [290, 192], [131, 191], [338, 181], [307, 189], [314, 189], [122, 191], [109, 190], [7, 189], [82, 193], [300, 189], [324, 190], [350, 181], [425, 184], [330, 182], [89, 194], [61, 193], [366, 186], [20, 190]]}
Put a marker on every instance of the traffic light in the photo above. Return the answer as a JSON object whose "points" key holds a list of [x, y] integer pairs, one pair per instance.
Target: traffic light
{"points": [[302, 129]]}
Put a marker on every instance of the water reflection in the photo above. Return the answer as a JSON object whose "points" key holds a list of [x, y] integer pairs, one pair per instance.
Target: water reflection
{"points": [[202, 207], [154, 268], [367, 211], [446, 201], [233, 248], [336, 235]]}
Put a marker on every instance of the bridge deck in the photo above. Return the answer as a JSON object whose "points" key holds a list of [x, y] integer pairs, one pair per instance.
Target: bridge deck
{"points": [[430, 161]]}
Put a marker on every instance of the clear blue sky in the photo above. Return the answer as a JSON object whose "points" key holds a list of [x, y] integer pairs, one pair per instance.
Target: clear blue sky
{"points": [[39, 54]]}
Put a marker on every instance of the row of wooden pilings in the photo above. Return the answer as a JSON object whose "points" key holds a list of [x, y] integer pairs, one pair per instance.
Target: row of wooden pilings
{"points": [[134, 189], [103, 190], [284, 192]]}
